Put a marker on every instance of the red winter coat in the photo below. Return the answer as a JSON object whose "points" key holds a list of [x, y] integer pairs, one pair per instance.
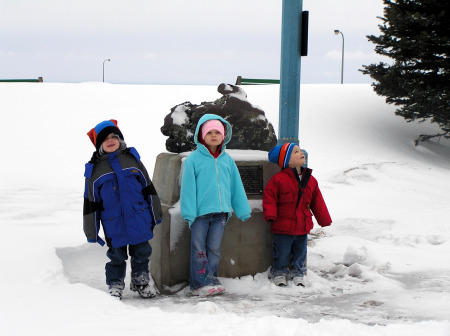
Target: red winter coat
{"points": [[280, 201]]}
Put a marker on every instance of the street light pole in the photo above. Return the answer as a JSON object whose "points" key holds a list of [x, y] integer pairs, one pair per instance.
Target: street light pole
{"points": [[106, 60], [336, 32]]}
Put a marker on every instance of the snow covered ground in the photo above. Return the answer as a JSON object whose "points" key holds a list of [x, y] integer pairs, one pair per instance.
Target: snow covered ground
{"points": [[382, 268]]}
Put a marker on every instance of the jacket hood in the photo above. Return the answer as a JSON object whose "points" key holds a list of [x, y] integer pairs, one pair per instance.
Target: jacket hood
{"points": [[207, 117]]}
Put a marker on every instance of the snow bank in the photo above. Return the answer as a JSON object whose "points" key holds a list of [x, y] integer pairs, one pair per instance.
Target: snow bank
{"points": [[382, 268]]}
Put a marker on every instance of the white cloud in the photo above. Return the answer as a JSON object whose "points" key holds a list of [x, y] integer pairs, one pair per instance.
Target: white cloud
{"points": [[150, 56], [6, 53]]}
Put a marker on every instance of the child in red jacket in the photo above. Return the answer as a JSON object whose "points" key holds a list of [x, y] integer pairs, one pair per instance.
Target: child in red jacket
{"points": [[289, 198]]}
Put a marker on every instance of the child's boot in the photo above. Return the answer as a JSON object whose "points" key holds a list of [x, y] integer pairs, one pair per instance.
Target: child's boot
{"points": [[141, 285], [299, 281], [204, 291], [145, 291], [280, 280], [218, 289], [115, 291]]}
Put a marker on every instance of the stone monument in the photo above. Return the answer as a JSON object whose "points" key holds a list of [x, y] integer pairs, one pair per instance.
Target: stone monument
{"points": [[246, 246]]}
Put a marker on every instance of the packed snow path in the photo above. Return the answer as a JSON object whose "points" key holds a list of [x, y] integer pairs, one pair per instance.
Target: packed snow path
{"points": [[333, 291]]}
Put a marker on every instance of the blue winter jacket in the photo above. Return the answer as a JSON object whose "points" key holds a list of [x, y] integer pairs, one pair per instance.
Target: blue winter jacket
{"points": [[212, 185], [120, 195]]}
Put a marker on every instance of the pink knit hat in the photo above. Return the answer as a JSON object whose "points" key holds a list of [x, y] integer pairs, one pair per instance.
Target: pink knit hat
{"points": [[213, 124]]}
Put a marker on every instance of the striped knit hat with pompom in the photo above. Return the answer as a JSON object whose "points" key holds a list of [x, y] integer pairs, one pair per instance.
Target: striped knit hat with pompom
{"points": [[100, 132], [281, 154]]}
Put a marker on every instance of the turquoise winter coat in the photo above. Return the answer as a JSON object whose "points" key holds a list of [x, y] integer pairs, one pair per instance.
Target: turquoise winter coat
{"points": [[212, 185]]}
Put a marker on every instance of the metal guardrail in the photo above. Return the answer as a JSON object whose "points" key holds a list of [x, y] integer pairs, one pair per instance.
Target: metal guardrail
{"points": [[38, 80], [254, 81]]}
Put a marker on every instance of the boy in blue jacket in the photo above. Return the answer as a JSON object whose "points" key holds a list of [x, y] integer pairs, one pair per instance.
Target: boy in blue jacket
{"points": [[120, 195], [211, 187]]}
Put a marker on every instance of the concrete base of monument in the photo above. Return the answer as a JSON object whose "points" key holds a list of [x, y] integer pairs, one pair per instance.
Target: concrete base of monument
{"points": [[246, 246]]}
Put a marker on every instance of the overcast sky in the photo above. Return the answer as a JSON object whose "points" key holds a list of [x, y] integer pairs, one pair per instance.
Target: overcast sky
{"points": [[179, 41]]}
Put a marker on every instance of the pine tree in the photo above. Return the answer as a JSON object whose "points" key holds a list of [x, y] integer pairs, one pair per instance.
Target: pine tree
{"points": [[416, 35]]}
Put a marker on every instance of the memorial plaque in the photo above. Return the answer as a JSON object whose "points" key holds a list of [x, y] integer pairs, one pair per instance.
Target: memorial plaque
{"points": [[252, 179]]}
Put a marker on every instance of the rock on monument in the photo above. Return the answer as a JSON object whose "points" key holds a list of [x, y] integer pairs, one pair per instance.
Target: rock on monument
{"points": [[251, 129]]}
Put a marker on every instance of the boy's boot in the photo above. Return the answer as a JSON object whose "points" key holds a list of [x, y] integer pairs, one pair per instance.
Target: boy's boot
{"points": [[145, 291], [299, 281], [280, 280], [141, 285], [115, 291]]}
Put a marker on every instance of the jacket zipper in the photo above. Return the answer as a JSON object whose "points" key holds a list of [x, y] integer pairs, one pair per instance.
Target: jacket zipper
{"points": [[299, 183], [218, 184]]}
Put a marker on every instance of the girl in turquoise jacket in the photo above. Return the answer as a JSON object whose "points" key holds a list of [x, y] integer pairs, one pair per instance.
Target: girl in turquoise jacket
{"points": [[211, 188]]}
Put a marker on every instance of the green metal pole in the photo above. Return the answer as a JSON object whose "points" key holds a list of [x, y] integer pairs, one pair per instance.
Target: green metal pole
{"points": [[290, 71]]}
